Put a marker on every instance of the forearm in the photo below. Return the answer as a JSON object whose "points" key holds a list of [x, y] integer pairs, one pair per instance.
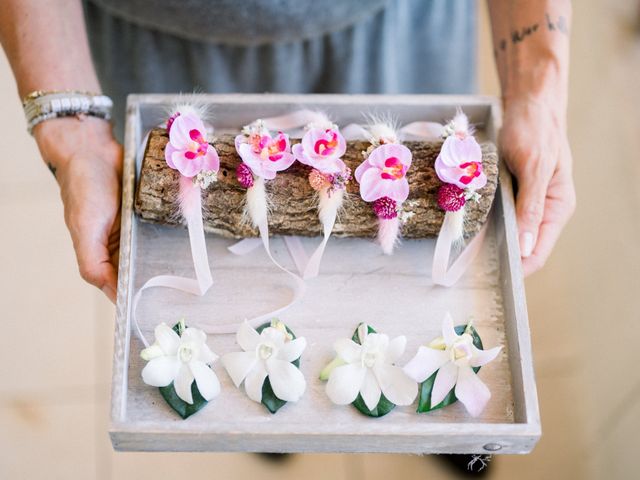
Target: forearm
{"points": [[46, 44], [531, 44]]}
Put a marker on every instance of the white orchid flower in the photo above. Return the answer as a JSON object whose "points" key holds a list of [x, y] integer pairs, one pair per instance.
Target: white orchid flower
{"points": [[181, 359], [368, 369], [454, 357], [267, 354]]}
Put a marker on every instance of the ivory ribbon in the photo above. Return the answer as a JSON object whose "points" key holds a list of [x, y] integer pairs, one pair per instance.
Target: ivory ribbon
{"points": [[441, 273], [203, 281]]}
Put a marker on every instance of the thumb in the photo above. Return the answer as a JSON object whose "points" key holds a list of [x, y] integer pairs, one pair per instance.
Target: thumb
{"points": [[95, 266], [530, 202]]}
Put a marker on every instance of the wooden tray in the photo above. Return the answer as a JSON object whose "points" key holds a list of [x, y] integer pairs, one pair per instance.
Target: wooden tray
{"points": [[357, 283]]}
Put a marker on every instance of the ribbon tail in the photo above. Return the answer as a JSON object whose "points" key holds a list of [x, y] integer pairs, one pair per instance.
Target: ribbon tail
{"points": [[329, 205], [441, 273]]}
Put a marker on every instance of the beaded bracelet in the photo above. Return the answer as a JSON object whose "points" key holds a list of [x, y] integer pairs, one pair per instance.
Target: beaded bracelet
{"points": [[43, 105]]}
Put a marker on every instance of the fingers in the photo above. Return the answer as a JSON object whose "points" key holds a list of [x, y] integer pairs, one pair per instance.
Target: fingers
{"points": [[530, 206], [96, 268], [559, 206]]}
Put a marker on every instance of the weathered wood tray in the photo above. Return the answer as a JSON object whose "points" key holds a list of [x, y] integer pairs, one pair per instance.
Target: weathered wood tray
{"points": [[357, 283]]}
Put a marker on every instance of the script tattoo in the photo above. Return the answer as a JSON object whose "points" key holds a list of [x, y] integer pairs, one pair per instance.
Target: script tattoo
{"points": [[520, 35], [52, 169]]}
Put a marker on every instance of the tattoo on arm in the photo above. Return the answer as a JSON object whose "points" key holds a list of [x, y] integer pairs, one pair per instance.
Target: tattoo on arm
{"points": [[52, 169], [517, 36]]}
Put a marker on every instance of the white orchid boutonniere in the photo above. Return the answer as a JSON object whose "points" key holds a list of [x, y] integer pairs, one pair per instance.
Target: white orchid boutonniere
{"points": [[268, 364], [447, 369], [364, 374], [179, 364]]}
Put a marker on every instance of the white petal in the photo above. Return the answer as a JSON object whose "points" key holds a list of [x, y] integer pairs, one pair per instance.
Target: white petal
{"points": [[292, 350], [206, 355], [448, 332], [471, 391], [238, 365], [396, 348], [247, 337], [273, 335], [345, 382], [370, 390], [194, 335], [206, 379], [254, 381], [160, 371], [286, 380], [396, 385], [183, 382], [426, 361], [347, 350], [445, 380], [482, 357], [167, 339]]}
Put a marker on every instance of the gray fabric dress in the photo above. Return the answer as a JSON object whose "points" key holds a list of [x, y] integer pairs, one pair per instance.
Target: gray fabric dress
{"points": [[284, 46]]}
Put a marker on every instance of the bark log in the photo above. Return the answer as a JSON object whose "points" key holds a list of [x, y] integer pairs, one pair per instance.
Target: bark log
{"points": [[293, 201]]}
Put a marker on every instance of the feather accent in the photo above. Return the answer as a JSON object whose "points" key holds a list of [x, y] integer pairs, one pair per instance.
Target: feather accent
{"points": [[257, 206], [189, 197], [388, 231], [460, 124], [329, 203], [457, 225]]}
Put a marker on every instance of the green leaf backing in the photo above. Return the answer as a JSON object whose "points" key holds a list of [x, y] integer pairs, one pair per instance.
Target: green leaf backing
{"points": [[426, 387]]}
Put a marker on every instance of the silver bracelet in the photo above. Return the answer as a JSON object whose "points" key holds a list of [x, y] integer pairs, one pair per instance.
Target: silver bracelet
{"points": [[40, 106]]}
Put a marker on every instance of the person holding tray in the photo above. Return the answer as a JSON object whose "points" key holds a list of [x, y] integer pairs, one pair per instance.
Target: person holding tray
{"points": [[290, 46]]}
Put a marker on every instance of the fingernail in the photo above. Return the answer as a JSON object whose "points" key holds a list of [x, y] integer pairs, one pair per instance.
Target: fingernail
{"points": [[526, 244]]}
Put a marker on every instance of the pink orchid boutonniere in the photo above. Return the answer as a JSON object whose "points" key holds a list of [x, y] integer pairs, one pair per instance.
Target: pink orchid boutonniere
{"points": [[383, 180], [188, 150], [322, 149], [262, 153]]}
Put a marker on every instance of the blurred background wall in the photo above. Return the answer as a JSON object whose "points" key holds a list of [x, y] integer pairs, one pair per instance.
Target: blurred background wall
{"points": [[55, 350]]}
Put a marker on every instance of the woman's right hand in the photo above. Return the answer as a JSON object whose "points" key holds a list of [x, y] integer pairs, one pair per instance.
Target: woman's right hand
{"points": [[87, 163]]}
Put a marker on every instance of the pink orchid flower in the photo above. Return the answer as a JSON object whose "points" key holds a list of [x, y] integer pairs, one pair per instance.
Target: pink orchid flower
{"points": [[460, 163], [263, 154], [322, 149], [188, 150], [383, 173]]}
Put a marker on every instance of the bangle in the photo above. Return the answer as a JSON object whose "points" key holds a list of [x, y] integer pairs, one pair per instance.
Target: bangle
{"points": [[43, 105]]}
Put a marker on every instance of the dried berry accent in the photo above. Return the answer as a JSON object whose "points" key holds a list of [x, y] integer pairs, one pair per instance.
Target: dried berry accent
{"points": [[244, 175], [385, 208], [451, 197]]}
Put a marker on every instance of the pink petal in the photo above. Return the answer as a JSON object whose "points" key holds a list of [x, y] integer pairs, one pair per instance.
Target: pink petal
{"points": [[211, 161], [379, 155], [283, 163], [179, 136], [186, 167], [169, 150], [372, 186], [471, 391], [363, 167], [397, 189], [445, 380], [425, 363]]}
